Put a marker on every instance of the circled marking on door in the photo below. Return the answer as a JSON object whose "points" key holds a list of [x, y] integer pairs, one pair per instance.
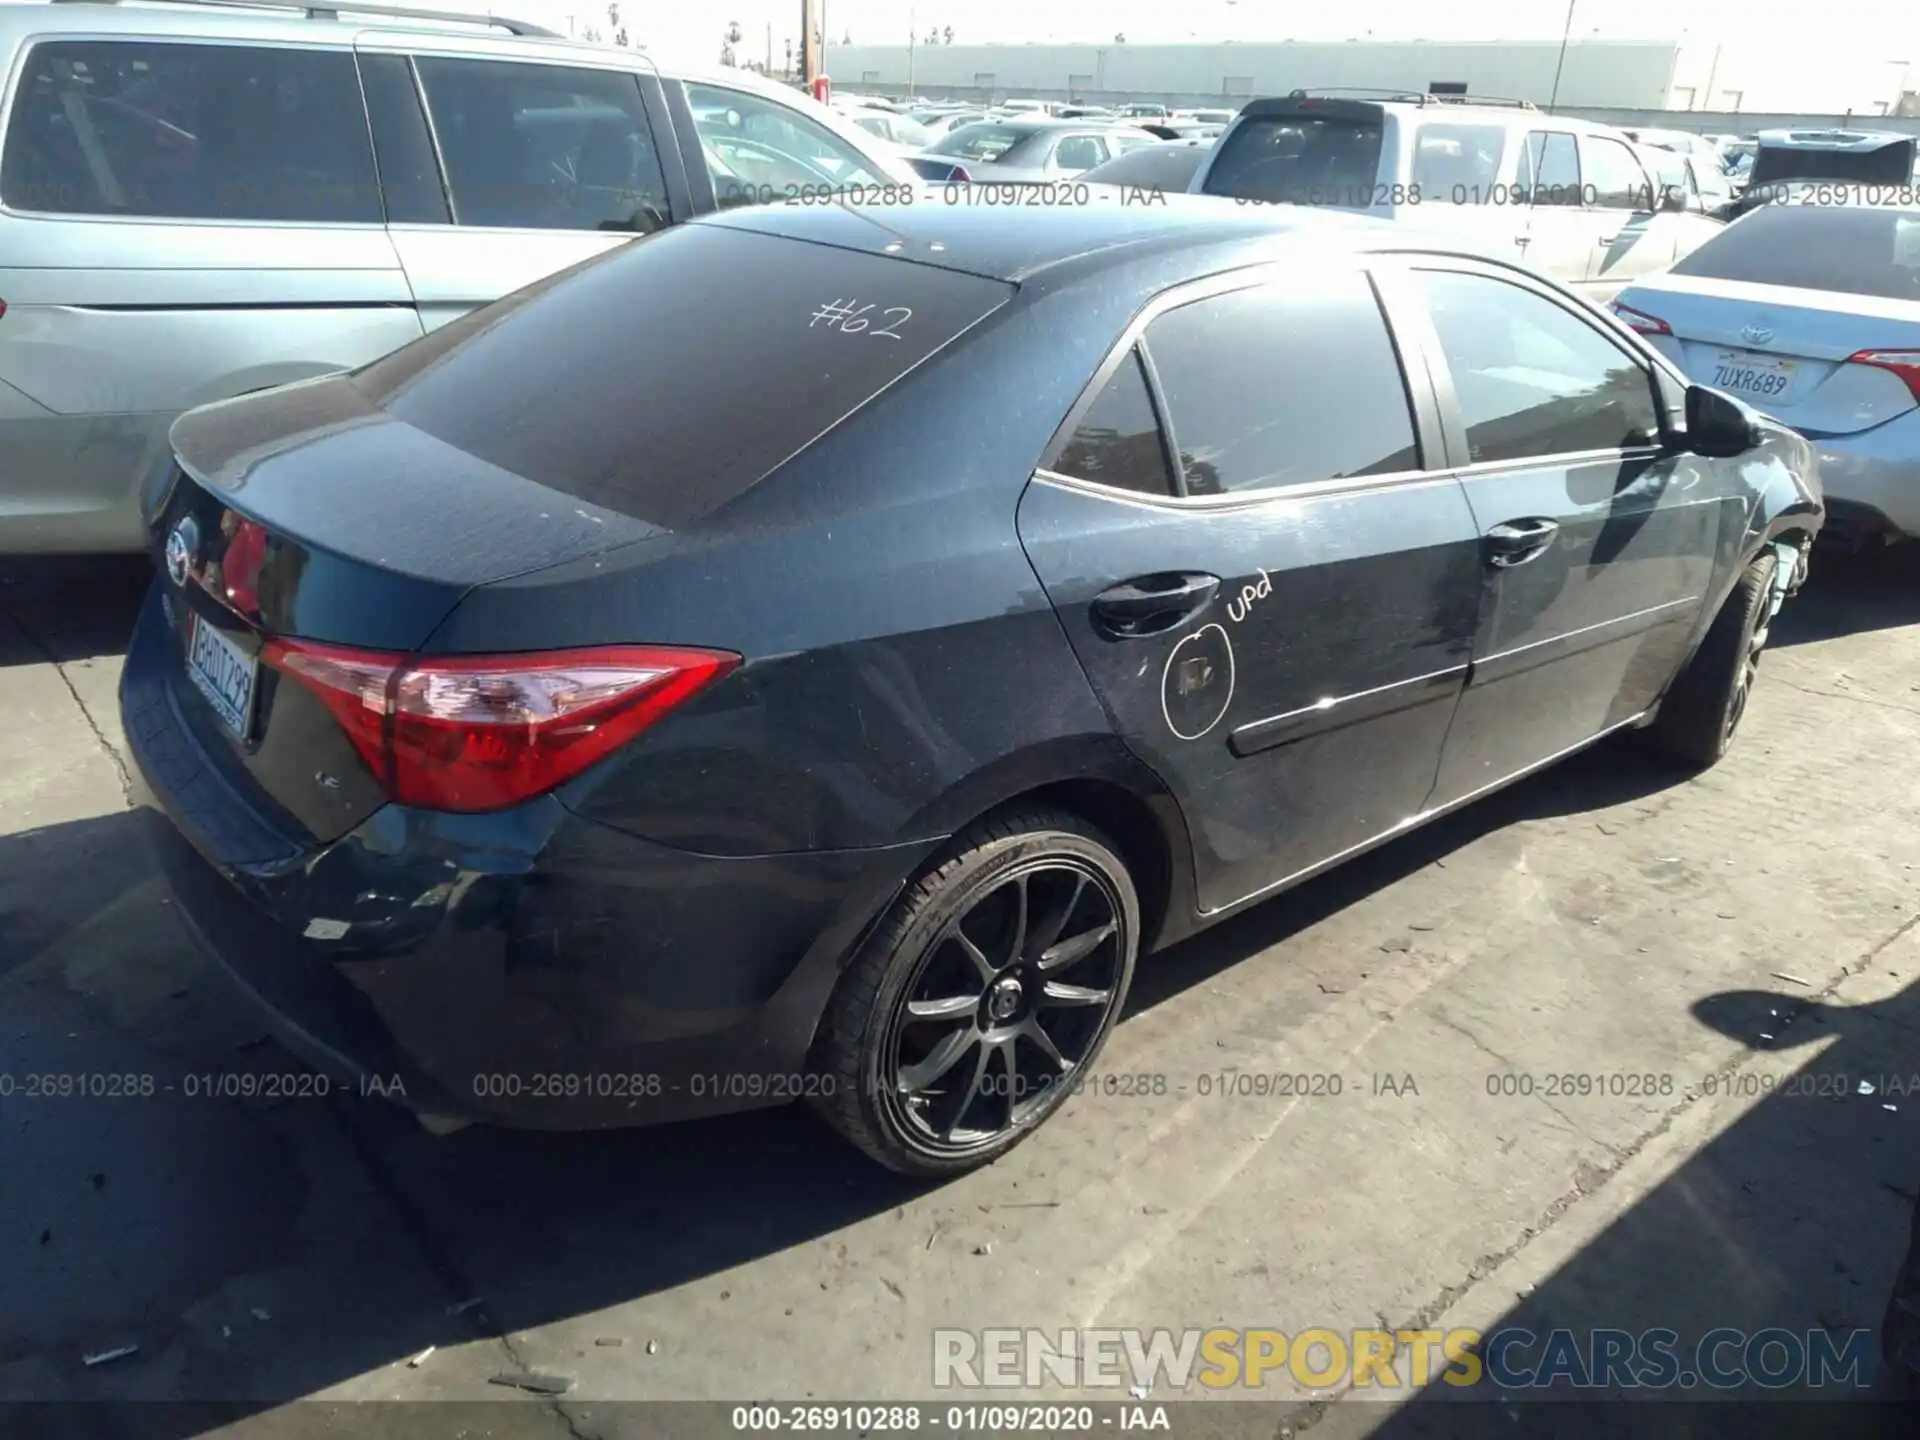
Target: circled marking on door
{"points": [[1196, 687]]}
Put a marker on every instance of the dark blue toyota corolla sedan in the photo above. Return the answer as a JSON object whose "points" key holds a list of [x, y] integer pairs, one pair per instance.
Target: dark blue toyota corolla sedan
{"points": [[813, 653]]}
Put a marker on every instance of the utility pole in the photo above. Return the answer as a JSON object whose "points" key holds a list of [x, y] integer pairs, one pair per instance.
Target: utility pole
{"points": [[910, 38], [812, 41], [769, 69], [1560, 64]]}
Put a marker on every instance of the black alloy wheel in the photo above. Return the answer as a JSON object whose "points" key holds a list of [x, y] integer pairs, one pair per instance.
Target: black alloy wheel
{"points": [[983, 998], [1006, 1006]]}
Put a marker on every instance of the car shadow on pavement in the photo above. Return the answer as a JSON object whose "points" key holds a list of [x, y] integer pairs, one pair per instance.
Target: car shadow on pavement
{"points": [[69, 607], [1793, 1220], [1847, 594]]}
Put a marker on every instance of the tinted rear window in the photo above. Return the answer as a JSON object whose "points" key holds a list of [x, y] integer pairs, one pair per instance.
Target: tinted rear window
{"points": [[1168, 167], [1299, 160], [979, 142], [666, 378], [1889, 164], [1859, 250]]}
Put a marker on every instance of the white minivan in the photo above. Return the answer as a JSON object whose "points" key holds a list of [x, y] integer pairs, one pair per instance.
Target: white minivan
{"points": [[199, 201]]}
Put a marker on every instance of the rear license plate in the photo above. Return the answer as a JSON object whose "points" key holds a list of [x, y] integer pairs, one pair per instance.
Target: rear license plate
{"points": [[1753, 377], [223, 672]]}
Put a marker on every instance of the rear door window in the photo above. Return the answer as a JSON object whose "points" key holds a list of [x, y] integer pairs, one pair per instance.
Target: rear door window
{"points": [[1849, 249], [1556, 168], [1301, 159], [1117, 441], [668, 376], [1272, 386], [197, 132], [1615, 179], [1458, 164], [545, 147]]}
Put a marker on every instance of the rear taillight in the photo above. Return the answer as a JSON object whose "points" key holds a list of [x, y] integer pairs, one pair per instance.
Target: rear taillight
{"points": [[1639, 321], [1904, 363], [469, 733]]}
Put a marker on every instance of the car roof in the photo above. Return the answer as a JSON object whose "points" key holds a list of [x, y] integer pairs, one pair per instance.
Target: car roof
{"points": [[1439, 107], [277, 22], [1070, 242], [1036, 124], [227, 19], [1834, 139]]}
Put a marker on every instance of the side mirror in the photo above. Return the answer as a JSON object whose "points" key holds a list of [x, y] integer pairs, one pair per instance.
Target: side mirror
{"points": [[1673, 198], [1718, 425]]}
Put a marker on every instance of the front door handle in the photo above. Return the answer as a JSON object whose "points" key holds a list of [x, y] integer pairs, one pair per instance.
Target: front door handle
{"points": [[1152, 604], [1609, 239], [1518, 541]]}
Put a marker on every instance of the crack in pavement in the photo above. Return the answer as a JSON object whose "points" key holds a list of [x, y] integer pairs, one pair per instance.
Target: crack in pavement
{"points": [[1486, 1049], [1843, 695], [35, 639], [1584, 1186]]}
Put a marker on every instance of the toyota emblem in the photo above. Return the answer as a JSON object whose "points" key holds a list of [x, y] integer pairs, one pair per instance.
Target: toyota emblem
{"points": [[183, 548], [1756, 334]]}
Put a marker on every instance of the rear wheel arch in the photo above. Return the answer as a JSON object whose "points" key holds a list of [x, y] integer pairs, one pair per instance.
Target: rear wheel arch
{"points": [[1098, 779]]}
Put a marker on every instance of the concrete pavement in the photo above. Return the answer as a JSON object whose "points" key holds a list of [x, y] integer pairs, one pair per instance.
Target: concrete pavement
{"points": [[1600, 920]]}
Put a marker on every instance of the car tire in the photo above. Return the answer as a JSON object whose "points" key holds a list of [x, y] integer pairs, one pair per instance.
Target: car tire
{"points": [[1706, 701], [929, 1078]]}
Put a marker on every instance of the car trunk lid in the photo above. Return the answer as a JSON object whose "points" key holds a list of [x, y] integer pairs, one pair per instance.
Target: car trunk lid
{"points": [[281, 523], [1789, 352]]}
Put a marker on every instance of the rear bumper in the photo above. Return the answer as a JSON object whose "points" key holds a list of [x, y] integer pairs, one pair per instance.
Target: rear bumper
{"points": [[1872, 479], [527, 967]]}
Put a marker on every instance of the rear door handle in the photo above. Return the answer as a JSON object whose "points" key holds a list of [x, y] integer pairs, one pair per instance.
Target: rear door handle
{"points": [[1152, 604], [1518, 541], [1609, 239]]}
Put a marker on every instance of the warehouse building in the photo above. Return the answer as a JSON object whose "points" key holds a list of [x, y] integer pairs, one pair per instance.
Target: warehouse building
{"points": [[1592, 74]]}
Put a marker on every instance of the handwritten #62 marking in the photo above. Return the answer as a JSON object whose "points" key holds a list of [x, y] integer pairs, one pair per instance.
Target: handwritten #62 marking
{"points": [[849, 317]]}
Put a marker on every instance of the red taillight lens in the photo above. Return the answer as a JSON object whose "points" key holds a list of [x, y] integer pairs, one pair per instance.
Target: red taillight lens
{"points": [[470, 733], [1904, 363], [960, 176], [1640, 321]]}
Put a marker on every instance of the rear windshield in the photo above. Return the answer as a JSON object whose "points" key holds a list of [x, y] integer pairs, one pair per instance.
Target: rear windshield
{"points": [[666, 378], [983, 142], [1853, 249], [1158, 167], [1889, 164], [1299, 160]]}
